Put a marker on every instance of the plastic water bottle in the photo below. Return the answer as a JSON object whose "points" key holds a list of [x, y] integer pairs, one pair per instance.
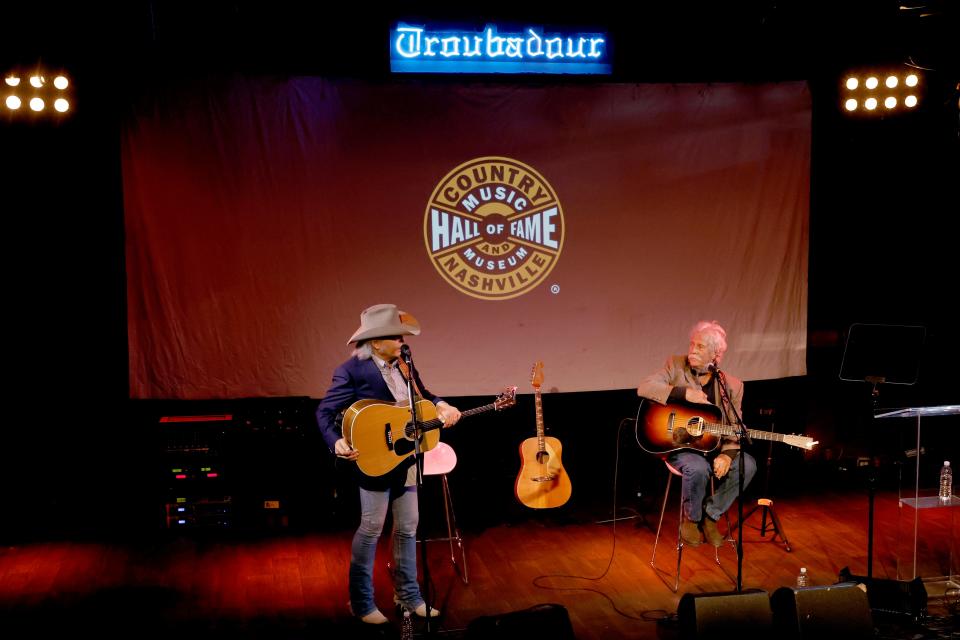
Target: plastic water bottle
{"points": [[946, 482], [802, 577], [406, 627]]}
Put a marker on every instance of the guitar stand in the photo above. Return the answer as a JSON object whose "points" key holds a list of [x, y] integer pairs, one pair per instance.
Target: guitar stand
{"points": [[765, 505]]}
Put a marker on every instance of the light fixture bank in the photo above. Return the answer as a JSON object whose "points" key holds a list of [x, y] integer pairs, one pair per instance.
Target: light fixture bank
{"points": [[417, 49]]}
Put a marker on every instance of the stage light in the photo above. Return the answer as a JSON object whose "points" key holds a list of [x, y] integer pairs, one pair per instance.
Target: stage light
{"points": [[39, 88], [897, 90]]}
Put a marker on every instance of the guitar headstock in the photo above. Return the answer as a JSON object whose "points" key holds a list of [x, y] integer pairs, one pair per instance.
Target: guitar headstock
{"points": [[536, 376], [506, 399], [802, 442]]}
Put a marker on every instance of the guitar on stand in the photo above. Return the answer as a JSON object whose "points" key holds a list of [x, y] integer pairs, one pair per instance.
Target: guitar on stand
{"points": [[542, 482]]}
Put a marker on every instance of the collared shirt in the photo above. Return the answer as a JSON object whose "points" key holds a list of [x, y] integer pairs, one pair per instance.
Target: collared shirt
{"points": [[394, 379], [398, 387]]}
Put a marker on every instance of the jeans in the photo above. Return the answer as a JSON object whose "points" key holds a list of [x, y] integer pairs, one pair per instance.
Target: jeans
{"points": [[373, 513], [696, 470]]}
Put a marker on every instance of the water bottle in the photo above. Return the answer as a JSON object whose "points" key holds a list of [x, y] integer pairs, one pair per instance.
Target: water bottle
{"points": [[406, 627], [802, 577], [946, 482]]}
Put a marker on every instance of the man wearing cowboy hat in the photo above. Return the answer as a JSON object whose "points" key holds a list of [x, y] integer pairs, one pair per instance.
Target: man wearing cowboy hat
{"points": [[373, 372]]}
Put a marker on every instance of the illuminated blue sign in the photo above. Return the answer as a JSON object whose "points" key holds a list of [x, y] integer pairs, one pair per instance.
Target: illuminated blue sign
{"points": [[416, 49]]}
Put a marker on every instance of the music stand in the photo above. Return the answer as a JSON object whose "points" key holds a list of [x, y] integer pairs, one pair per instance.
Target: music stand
{"points": [[880, 354]]}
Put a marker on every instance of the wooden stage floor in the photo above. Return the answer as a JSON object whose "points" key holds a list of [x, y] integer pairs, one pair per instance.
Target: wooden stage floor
{"points": [[293, 585]]}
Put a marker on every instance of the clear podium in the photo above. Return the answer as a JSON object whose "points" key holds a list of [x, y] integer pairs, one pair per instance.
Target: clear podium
{"points": [[928, 529]]}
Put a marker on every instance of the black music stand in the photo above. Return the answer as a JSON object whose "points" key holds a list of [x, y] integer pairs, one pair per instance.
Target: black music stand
{"points": [[880, 354]]}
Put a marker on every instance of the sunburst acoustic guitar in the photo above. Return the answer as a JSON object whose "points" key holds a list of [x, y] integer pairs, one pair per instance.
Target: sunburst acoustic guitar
{"points": [[663, 429], [542, 483]]}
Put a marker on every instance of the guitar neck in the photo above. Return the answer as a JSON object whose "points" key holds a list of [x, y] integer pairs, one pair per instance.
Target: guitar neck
{"points": [[541, 445], [436, 423], [730, 430]]}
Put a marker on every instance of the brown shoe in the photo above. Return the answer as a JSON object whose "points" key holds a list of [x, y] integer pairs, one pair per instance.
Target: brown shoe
{"points": [[711, 532], [690, 533]]}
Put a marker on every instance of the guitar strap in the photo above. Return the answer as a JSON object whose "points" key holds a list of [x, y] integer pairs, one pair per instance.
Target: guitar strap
{"points": [[405, 370]]}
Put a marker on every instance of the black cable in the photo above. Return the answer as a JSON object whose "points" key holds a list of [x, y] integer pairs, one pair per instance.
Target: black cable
{"points": [[645, 616]]}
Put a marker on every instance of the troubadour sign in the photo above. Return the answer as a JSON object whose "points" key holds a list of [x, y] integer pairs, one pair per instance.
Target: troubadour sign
{"points": [[418, 49], [494, 228]]}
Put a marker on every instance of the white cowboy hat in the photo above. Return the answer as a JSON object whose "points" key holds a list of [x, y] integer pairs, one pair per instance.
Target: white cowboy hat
{"points": [[382, 320]]}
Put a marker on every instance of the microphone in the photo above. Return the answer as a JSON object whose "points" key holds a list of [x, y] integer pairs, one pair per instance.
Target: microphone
{"points": [[713, 366], [405, 353]]}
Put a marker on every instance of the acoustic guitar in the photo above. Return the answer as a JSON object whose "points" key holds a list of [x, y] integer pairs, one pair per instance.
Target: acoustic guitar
{"points": [[542, 482], [383, 434], [662, 429]]}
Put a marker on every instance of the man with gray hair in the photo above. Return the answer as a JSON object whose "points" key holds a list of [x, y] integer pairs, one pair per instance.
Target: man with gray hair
{"points": [[693, 378]]}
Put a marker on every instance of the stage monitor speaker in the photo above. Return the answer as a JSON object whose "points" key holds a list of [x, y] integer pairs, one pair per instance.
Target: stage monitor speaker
{"points": [[539, 621], [743, 615], [892, 598], [836, 611]]}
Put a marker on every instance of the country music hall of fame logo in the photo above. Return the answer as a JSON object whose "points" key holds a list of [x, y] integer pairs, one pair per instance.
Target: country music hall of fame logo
{"points": [[494, 228]]}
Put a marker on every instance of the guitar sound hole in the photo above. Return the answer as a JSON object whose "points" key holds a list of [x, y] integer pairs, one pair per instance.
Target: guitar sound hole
{"points": [[543, 457]]}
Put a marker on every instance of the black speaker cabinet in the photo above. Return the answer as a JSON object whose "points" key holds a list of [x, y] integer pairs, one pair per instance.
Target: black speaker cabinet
{"points": [[540, 621], [891, 599], [836, 611], [743, 615]]}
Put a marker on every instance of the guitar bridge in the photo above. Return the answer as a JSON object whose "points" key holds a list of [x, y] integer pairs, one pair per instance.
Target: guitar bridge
{"points": [[550, 478]]}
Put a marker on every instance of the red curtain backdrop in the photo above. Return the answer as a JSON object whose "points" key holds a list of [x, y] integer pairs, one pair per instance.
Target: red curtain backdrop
{"points": [[263, 214]]}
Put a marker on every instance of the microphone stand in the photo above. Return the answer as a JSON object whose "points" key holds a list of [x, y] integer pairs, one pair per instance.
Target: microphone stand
{"points": [[418, 457], [743, 439]]}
